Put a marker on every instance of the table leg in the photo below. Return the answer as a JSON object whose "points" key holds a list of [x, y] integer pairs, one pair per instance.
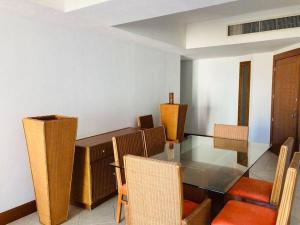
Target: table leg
{"points": [[197, 195], [218, 202]]}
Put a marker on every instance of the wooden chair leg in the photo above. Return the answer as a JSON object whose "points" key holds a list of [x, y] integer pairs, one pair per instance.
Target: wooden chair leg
{"points": [[119, 207]]}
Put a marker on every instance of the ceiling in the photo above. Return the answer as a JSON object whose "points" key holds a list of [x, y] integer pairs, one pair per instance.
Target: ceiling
{"points": [[229, 9], [114, 12], [154, 17], [239, 49], [117, 12], [68, 5], [106, 12], [172, 28]]}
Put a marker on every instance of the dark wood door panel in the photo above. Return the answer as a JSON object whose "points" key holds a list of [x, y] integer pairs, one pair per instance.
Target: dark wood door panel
{"points": [[285, 99], [244, 93]]}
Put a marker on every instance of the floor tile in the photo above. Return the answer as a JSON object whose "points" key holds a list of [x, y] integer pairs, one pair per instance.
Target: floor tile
{"points": [[295, 221], [102, 215]]}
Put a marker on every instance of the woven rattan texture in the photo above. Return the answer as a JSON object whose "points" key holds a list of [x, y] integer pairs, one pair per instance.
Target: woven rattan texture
{"points": [[286, 202], [155, 140], [154, 191], [282, 166], [231, 132], [145, 122]]}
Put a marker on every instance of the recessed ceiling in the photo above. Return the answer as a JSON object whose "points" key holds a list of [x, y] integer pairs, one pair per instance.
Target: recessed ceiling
{"points": [[68, 5], [104, 12], [116, 12], [239, 49], [101, 16], [172, 28], [228, 9]]}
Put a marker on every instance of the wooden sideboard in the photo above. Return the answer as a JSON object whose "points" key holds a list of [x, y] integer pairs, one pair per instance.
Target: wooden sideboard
{"points": [[93, 179]]}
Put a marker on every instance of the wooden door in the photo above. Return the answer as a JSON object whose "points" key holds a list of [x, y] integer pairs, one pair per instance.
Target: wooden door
{"points": [[285, 100]]}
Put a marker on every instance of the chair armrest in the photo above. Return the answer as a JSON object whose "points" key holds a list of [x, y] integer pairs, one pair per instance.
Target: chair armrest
{"points": [[200, 216]]}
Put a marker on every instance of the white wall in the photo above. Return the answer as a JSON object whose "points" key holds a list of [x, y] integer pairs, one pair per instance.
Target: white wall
{"points": [[50, 69], [213, 93], [211, 86], [214, 32], [260, 96]]}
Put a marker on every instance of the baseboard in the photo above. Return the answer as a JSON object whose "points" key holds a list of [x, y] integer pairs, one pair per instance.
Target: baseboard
{"points": [[17, 212]]}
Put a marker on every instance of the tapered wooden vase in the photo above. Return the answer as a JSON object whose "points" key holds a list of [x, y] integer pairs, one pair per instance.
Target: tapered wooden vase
{"points": [[173, 118], [50, 143]]}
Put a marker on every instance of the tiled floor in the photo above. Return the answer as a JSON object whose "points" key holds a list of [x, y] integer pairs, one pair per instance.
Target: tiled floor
{"points": [[104, 214]]}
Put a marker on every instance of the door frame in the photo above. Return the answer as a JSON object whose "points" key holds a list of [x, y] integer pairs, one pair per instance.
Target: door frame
{"points": [[283, 55]]}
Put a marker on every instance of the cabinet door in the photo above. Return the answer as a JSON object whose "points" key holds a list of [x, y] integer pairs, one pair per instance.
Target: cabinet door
{"points": [[101, 151], [81, 188], [103, 178]]}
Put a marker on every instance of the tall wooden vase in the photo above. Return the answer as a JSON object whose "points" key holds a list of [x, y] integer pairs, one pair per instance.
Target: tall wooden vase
{"points": [[51, 143], [173, 117]]}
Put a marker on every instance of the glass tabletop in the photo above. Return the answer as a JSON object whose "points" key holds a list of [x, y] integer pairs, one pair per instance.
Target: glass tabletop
{"points": [[214, 164]]}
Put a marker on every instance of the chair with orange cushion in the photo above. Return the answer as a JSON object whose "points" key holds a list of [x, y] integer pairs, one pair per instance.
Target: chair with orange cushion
{"points": [[126, 144], [155, 195], [262, 192], [242, 213]]}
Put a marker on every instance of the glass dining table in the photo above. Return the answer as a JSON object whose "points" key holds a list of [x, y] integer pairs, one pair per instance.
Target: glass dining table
{"points": [[213, 164]]}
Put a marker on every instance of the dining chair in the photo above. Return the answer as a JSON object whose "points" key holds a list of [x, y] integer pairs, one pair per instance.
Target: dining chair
{"points": [[243, 213], [155, 195], [145, 122], [231, 132], [262, 192], [155, 140], [126, 144]]}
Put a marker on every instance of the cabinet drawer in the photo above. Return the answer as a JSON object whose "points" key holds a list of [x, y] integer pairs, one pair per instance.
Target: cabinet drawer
{"points": [[101, 151], [103, 179]]}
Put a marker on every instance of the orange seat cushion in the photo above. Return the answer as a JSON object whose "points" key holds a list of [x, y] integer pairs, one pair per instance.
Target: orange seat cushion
{"points": [[253, 189], [242, 213], [188, 207]]}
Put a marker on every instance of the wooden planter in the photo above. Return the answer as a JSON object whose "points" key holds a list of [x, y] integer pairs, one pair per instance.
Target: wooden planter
{"points": [[173, 116], [50, 143]]}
